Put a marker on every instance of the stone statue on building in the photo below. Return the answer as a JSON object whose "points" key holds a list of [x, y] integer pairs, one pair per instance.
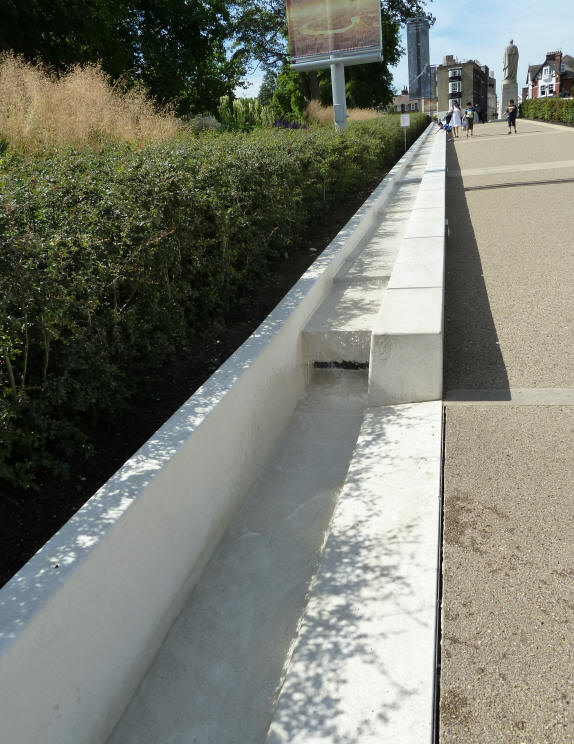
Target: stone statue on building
{"points": [[510, 64], [509, 77]]}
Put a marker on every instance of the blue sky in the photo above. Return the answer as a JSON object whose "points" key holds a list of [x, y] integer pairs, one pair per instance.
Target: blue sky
{"points": [[480, 29]]}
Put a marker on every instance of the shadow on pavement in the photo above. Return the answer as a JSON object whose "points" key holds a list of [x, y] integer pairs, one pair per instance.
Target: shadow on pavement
{"points": [[472, 356], [515, 184]]}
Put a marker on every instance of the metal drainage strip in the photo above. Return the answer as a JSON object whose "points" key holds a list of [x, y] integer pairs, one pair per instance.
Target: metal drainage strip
{"points": [[341, 365]]}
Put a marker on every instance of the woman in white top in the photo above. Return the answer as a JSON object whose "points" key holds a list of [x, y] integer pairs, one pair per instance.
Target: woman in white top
{"points": [[456, 120]]}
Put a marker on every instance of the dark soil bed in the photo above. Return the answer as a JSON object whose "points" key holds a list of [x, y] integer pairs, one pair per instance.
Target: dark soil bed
{"points": [[29, 519]]}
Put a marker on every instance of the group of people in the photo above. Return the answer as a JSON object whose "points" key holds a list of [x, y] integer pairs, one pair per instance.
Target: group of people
{"points": [[456, 119]]}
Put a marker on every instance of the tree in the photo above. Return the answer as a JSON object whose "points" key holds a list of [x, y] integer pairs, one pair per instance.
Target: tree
{"points": [[260, 31], [61, 33], [268, 86], [178, 51], [177, 48], [288, 97]]}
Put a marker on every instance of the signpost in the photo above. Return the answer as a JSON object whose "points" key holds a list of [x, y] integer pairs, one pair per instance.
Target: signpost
{"points": [[405, 124], [335, 34]]}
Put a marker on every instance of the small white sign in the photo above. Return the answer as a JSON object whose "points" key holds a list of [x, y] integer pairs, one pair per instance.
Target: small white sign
{"points": [[405, 120]]}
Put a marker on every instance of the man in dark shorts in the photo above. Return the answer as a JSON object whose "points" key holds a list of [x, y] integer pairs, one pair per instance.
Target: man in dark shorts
{"points": [[511, 112], [469, 118]]}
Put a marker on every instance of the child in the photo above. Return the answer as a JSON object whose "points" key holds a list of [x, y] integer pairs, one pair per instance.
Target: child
{"points": [[469, 118], [511, 112], [446, 127]]}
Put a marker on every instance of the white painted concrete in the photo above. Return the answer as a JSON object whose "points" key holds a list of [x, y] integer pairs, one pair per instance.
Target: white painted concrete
{"points": [[217, 675], [341, 329], [82, 621], [406, 355], [362, 670], [406, 349], [420, 263]]}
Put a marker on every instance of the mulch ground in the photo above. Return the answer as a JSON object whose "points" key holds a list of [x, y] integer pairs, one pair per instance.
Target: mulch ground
{"points": [[28, 520]]}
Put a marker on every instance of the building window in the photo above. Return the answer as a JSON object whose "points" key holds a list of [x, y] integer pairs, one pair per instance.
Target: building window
{"points": [[542, 91], [454, 87], [451, 102], [562, 67], [550, 90], [413, 107], [546, 71], [455, 72]]}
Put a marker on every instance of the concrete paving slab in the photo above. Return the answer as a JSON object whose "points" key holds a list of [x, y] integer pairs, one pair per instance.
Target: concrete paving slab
{"points": [[512, 396], [376, 257], [420, 263], [508, 278], [424, 224], [508, 597], [508, 570]]}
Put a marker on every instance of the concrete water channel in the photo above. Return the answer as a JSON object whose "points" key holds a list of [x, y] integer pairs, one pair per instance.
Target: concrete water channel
{"points": [[265, 569]]}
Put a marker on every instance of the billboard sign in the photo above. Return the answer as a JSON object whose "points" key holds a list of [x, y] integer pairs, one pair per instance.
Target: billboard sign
{"points": [[325, 31]]}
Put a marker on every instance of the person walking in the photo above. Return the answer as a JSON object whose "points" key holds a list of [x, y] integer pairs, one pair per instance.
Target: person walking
{"points": [[456, 120], [511, 112], [468, 118]]}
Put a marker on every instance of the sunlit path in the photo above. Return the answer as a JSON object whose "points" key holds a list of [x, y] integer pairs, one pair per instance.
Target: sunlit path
{"points": [[508, 596]]}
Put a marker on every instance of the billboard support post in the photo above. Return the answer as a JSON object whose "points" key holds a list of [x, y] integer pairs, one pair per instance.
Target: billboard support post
{"points": [[339, 95]]}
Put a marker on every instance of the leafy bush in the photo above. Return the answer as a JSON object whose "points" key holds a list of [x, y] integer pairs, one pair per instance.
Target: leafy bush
{"points": [[549, 109], [110, 261]]}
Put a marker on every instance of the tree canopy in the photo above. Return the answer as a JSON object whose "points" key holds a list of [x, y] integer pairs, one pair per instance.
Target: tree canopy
{"points": [[186, 52], [177, 48]]}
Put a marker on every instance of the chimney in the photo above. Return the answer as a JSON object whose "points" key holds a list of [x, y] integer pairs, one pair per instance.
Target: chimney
{"points": [[556, 58]]}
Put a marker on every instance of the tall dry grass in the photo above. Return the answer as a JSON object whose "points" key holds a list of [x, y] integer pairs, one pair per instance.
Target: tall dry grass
{"points": [[80, 108], [324, 114]]}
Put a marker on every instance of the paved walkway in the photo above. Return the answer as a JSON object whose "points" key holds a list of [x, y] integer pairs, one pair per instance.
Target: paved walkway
{"points": [[508, 572]]}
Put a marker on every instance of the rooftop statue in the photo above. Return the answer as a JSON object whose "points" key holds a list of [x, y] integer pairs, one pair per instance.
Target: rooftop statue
{"points": [[510, 64]]}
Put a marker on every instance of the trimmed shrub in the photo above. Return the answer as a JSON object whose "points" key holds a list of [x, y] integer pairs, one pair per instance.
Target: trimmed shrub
{"points": [[549, 109], [110, 261]]}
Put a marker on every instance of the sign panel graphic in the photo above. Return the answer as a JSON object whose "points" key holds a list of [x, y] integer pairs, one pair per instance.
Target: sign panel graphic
{"points": [[321, 27]]}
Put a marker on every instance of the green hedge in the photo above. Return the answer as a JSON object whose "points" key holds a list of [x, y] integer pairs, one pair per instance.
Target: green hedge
{"points": [[549, 109], [111, 261]]}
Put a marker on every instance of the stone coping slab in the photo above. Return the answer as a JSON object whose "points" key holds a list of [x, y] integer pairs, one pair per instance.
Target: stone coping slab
{"points": [[362, 669]]}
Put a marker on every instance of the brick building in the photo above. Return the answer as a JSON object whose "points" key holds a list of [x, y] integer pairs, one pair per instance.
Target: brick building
{"points": [[404, 104], [554, 77], [465, 81]]}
